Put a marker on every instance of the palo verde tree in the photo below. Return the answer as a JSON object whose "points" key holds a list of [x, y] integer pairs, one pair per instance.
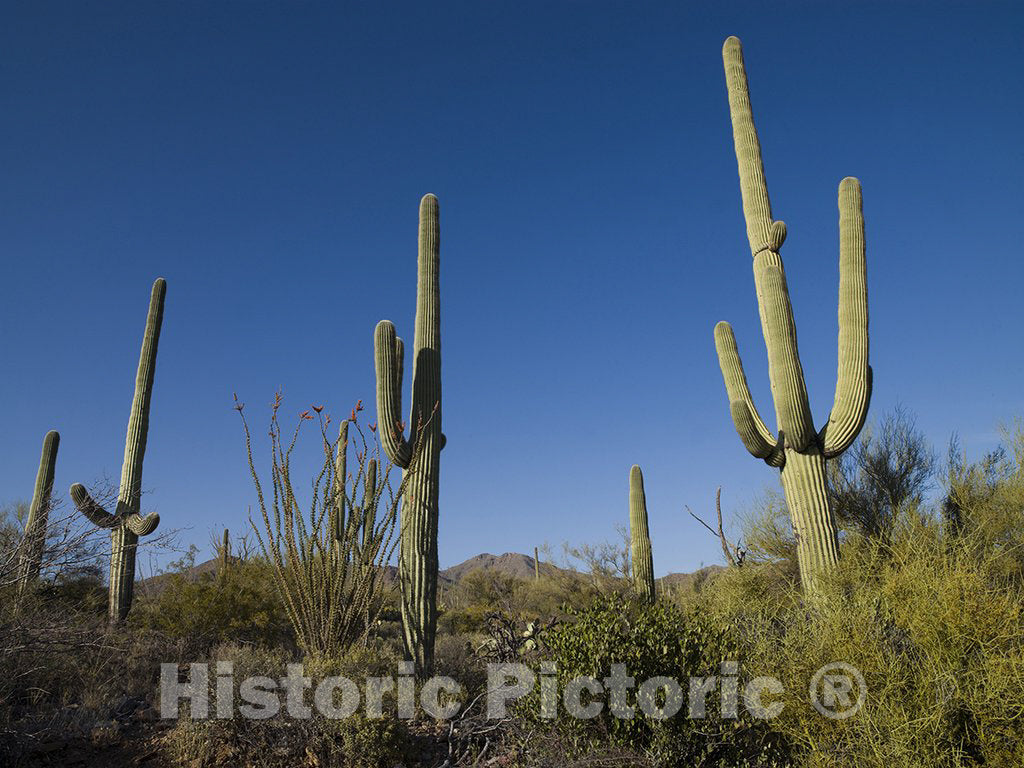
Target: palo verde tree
{"points": [[800, 450]]}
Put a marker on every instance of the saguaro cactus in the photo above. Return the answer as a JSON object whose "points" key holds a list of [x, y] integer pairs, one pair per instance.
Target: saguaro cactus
{"points": [[126, 524], [418, 545], [640, 537], [337, 511], [368, 515], [224, 552], [31, 556], [799, 451]]}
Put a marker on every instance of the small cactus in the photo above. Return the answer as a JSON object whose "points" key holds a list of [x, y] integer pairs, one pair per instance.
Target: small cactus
{"points": [[799, 451], [640, 537], [224, 552], [126, 524], [368, 514], [337, 513], [31, 556]]}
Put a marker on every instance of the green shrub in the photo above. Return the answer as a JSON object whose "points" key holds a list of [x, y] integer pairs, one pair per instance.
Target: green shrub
{"points": [[239, 604], [653, 641], [371, 742], [283, 741], [932, 620]]}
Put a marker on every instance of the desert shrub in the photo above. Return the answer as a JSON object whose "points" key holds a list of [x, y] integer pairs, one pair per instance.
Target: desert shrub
{"points": [[455, 657], [354, 742], [477, 594], [889, 465], [933, 622], [660, 640], [240, 603], [284, 740]]}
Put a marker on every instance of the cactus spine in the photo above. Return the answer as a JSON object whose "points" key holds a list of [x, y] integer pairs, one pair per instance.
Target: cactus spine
{"points": [[126, 524], [31, 557], [799, 451], [640, 537], [418, 544]]}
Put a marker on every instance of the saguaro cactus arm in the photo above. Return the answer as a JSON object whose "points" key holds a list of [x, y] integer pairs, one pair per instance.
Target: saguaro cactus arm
{"points": [[140, 525], [853, 382], [389, 353], [757, 438]]}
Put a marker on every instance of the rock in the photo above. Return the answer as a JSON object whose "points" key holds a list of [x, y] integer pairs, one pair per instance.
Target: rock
{"points": [[127, 706]]}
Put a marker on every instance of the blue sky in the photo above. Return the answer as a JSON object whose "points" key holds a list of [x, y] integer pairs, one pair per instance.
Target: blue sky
{"points": [[267, 160]]}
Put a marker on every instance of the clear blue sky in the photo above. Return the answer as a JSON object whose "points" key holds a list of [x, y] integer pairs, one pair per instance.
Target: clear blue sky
{"points": [[268, 158]]}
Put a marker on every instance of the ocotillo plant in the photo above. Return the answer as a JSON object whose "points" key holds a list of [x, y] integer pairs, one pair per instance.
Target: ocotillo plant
{"points": [[31, 555], [329, 577], [640, 537], [799, 451], [418, 549], [126, 524]]}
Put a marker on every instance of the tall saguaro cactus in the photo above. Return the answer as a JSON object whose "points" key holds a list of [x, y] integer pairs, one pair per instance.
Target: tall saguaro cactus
{"points": [[126, 524], [418, 544], [640, 537], [31, 556], [799, 451]]}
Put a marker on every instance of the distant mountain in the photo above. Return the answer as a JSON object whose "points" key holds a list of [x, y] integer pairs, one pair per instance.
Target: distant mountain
{"points": [[512, 564], [688, 580]]}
